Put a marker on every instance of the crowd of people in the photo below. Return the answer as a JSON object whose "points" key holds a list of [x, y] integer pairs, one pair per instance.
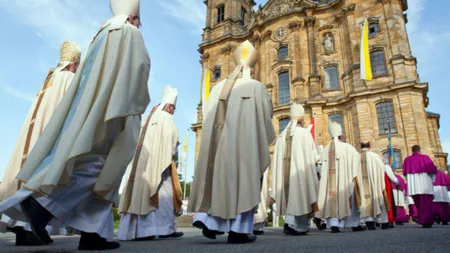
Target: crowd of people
{"points": [[84, 133]]}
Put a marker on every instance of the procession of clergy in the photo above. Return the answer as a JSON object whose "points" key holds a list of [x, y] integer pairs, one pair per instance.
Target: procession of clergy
{"points": [[84, 130]]}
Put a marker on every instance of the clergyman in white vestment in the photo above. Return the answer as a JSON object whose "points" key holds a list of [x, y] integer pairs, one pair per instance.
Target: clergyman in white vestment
{"points": [[294, 174], [152, 195], [376, 202], [47, 99], [73, 173], [234, 153], [340, 191]]}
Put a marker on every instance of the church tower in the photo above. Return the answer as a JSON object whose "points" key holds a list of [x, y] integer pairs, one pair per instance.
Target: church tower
{"points": [[226, 17]]}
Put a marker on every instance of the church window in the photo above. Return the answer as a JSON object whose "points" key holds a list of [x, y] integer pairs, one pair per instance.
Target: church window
{"points": [[243, 15], [217, 74], [282, 52], [397, 157], [377, 60], [284, 94], [374, 29], [220, 13], [282, 124], [331, 78], [339, 118], [386, 118]]}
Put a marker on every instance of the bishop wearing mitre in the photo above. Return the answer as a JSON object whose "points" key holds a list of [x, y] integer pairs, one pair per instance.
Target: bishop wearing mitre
{"points": [[152, 196], [234, 153], [73, 173], [294, 174], [339, 191], [43, 107], [375, 200]]}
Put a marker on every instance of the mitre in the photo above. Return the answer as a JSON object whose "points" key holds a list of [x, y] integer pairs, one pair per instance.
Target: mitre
{"points": [[169, 96], [125, 7], [70, 52], [297, 111], [335, 129], [245, 54]]}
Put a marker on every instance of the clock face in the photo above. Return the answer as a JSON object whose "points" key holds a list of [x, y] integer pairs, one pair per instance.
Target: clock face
{"points": [[280, 33]]}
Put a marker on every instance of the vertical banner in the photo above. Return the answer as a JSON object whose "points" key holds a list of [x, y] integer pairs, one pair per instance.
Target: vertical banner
{"points": [[366, 69]]}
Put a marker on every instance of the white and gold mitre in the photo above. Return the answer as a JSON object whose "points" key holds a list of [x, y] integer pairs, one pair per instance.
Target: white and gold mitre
{"points": [[297, 111], [245, 54], [169, 96], [70, 52], [335, 129], [125, 7]]}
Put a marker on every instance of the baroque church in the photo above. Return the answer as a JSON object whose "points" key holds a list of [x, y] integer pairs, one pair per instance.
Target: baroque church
{"points": [[309, 52]]}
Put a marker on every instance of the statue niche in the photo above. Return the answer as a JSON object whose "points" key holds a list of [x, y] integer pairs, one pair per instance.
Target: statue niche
{"points": [[328, 43]]}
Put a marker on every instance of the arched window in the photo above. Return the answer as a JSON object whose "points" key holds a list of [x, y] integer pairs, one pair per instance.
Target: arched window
{"points": [[339, 118], [284, 94], [378, 63], [282, 53], [217, 73], [386, 117], [397, 157], [331, 78], [282, 124]]}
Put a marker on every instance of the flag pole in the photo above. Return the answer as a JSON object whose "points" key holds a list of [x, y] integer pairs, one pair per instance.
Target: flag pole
{"points": [[185, 171]]}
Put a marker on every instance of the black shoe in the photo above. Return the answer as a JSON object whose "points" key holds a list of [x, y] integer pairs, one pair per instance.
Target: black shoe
{"points": [[258, 232], [38, 218], [173, 235], [93, 241], [445, 223], [399, 223], [319, 226], [140, 239], [385, 226], [211, 234], [335, 230], [240, 238], [370, 225], [437, 219], [359, 228], [391, 225], [290, 231], [377, 224], [427, 226], [25, 238]]}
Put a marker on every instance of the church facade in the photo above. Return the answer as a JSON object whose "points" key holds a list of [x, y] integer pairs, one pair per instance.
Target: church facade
{"points": [[309, 51]]}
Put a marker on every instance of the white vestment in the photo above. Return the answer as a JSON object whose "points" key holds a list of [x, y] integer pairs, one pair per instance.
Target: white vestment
{"points": [[347, 171], [261, 215], [302, 184], [374, 201], [151, 174], [41, 110], [161, 221], [228, 205], [78, 160]]}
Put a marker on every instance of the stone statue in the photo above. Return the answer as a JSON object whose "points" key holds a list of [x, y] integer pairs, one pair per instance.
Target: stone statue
{"points": [[328, 43]]}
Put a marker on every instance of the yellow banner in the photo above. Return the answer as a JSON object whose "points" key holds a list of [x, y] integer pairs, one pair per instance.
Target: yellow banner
{"points": [[185, 146], [366, 68]]}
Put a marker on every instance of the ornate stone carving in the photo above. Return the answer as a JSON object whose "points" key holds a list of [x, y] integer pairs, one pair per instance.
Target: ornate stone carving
{"points": [[349, 10], [279, 8], [294, 25], [310, 21], [226, 50], [328, 43]]}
